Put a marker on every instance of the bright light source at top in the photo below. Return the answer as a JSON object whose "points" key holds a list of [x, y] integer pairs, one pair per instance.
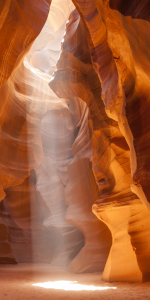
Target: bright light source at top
{"points": [[70, 286]]}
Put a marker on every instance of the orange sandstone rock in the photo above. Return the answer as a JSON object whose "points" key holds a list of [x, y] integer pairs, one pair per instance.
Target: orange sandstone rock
{"points": [[112, 139]]}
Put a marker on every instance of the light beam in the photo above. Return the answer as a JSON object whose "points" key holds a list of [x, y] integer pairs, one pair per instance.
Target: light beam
{"points": [[70, 286]]}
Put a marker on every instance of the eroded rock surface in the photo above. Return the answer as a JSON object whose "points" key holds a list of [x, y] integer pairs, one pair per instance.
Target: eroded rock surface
{"points": [[41, 135], [74, 162], [113, 147]]}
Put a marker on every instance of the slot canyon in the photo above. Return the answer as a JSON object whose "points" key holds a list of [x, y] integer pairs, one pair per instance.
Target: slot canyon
{"points": [[74, 145]]}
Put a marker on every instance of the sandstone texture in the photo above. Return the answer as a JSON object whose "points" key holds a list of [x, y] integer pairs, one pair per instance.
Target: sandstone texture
{"points": [[74, 136]]}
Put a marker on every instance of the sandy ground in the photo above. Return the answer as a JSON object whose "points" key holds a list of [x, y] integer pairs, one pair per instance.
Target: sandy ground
{"points": [[16, 282]]}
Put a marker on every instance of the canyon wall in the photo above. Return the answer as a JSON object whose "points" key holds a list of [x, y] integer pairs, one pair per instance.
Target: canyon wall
{"points": [[43, 140], [111, 81], [74, 136]]}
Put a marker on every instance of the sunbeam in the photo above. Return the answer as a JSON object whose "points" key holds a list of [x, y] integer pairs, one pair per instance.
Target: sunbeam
{"points": [[70, 286]]}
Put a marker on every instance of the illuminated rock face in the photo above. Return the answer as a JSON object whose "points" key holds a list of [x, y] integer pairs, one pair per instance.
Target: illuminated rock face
{"points": [[117, 160], [21, 22], [75, 153], [31, 106], [43, 140]]}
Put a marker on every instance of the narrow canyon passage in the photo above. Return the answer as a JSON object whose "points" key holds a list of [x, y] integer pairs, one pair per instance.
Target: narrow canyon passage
{"points": [[74, 145], [48, 214]]}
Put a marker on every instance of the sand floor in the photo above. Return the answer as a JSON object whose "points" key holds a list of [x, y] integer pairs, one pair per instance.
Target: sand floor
{"points": [[16, 282]]}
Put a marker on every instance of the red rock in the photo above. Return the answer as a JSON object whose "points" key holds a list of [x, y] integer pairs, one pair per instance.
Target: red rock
{"points": [[86, 136]]}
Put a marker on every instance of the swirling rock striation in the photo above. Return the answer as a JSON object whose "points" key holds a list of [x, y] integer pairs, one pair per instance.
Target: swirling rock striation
{"points": [[21, 22], [28, 99], [79, 144], [75, 78], [112, 139]]}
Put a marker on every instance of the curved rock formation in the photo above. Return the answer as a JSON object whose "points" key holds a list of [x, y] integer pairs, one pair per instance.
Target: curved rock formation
{"points": [[111, 153], [28, 98], [13, 124], [122, 74], [38, 217], [6, 254], [79, 144], [136, 9], [69, 83], [58, 134], [21, 22]]}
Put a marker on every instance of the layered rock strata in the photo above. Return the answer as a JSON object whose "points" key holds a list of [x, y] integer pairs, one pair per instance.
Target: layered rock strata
{"points": [[75, 76], [43, 132], [27, 99], [21, 22], [123, 72], [58, 160]]}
